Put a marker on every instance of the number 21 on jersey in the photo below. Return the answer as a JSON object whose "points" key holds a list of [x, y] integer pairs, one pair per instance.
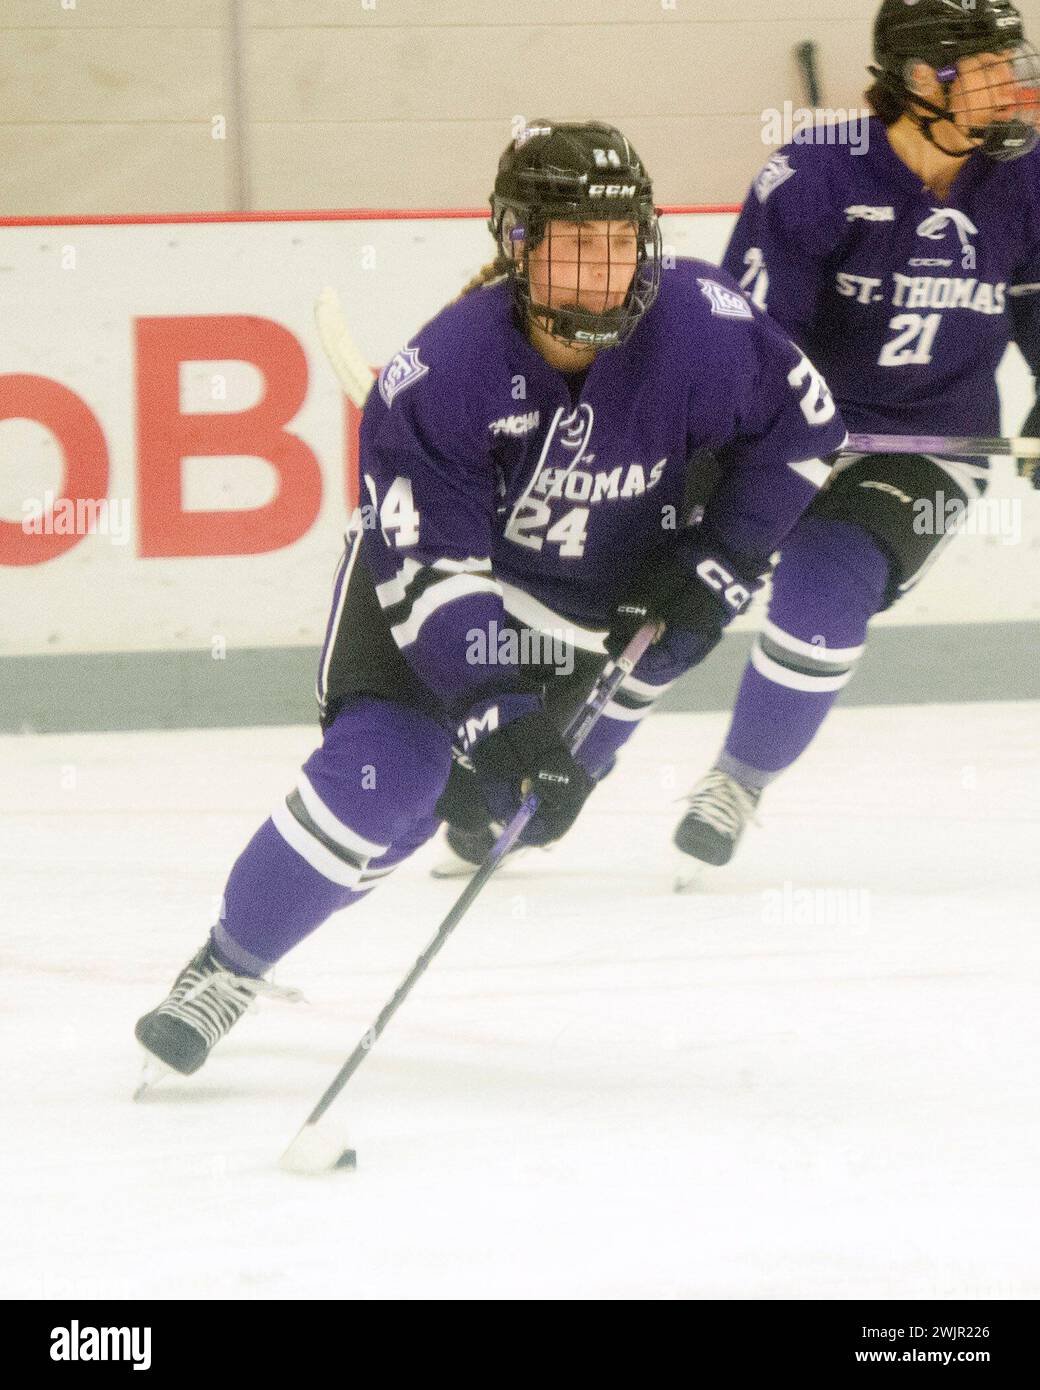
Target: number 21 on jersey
{"points": [[912, 345]]}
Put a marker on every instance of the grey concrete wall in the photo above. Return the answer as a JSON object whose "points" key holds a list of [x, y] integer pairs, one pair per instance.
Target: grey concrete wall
{"points": [[91, 691], [109, 105]]}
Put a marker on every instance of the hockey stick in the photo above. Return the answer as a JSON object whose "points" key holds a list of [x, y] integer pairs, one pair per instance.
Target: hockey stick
{"points": [[1020, 446], [806, 54], [319, 1150], [354, 373]]}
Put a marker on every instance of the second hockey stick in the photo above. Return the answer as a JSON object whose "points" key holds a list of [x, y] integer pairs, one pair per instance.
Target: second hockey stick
{"points": [[965, 446], [807, 57]]}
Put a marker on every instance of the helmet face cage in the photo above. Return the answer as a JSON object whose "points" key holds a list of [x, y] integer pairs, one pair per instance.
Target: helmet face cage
{"points": [[599, 268], [587, 288], [994, 97], [989, 74]]}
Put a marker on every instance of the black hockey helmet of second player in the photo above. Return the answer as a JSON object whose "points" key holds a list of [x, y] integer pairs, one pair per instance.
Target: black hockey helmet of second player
{"points": [[555, 171], [940, 33]]}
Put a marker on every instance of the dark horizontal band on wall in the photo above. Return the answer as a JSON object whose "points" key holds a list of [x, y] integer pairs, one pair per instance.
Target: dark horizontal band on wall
{"points": [[93, 691]]}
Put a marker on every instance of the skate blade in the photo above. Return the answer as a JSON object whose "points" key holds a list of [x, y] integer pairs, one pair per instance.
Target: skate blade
{"points": [[453, 868], [152, 1072], [690, 875]]}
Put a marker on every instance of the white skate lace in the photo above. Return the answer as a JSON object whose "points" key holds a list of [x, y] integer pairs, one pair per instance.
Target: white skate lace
{"points": [[722, 803], [215, 999]]}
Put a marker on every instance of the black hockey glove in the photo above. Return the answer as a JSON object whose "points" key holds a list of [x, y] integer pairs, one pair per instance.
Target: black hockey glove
{"points": [[462, 803], [1030, 468], [692, 585], [529, 754]]}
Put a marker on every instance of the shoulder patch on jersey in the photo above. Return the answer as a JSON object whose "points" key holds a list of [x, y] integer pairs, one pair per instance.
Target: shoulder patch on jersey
{"points": [[776, 172], [725, 303], [403, 370]]}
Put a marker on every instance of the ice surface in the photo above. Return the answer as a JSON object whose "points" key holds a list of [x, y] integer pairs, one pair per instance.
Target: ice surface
{"points": [[600, 1089]]}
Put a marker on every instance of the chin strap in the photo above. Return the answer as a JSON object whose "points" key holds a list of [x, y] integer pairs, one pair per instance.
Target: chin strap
{"points": [[910, 100], [924, 125], [938, 113]]}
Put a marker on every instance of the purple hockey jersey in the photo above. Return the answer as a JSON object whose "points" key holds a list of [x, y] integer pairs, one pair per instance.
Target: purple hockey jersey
{"points": [[487, 490], [905, 304]]}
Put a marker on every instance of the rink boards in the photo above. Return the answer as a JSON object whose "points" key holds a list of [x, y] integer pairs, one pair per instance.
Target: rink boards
{"points": [[158, 570]]}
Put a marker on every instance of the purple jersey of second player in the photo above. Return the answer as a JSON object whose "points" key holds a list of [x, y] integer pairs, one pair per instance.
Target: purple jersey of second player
{"points": [[906, 304], [491, 490]]}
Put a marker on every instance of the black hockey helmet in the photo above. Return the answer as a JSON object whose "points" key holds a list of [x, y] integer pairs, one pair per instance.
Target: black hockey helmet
{"points": [[575, 172], [940, 33]]}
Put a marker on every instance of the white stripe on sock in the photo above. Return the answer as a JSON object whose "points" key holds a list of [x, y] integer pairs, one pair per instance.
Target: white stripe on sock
{"points": [[333, 827], [612, 710], [795, 680], [313, 851], [842, 656]]}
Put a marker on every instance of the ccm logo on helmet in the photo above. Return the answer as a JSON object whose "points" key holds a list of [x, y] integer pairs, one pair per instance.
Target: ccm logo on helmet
{"points": [[612, 190], [713, 574]]}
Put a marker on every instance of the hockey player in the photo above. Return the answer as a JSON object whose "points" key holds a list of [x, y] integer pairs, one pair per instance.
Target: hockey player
{"points": [[524, 464], [903, 271]]}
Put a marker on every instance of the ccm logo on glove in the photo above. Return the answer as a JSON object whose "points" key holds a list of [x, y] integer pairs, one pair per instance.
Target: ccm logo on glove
{"points": [[718, 578]]}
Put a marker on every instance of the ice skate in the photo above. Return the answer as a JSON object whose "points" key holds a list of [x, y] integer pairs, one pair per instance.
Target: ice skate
{"points": [[463, 852], [708, 834], [205, 1003]]}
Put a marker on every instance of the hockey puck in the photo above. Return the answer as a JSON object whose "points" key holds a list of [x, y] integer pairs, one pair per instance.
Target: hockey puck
{"points": [[347, 1159]]}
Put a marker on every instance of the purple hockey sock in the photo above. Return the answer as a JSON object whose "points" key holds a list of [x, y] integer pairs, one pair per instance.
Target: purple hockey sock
{"points": [[830, 582], [364, 802]]}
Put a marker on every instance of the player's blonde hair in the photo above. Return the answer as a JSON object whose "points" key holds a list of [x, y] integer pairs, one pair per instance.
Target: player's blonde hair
{"points": [[486, 275]]}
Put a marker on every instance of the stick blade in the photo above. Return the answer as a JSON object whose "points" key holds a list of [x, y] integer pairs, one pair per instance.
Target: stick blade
{"points": [[315, 1150], [354, 373]]}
